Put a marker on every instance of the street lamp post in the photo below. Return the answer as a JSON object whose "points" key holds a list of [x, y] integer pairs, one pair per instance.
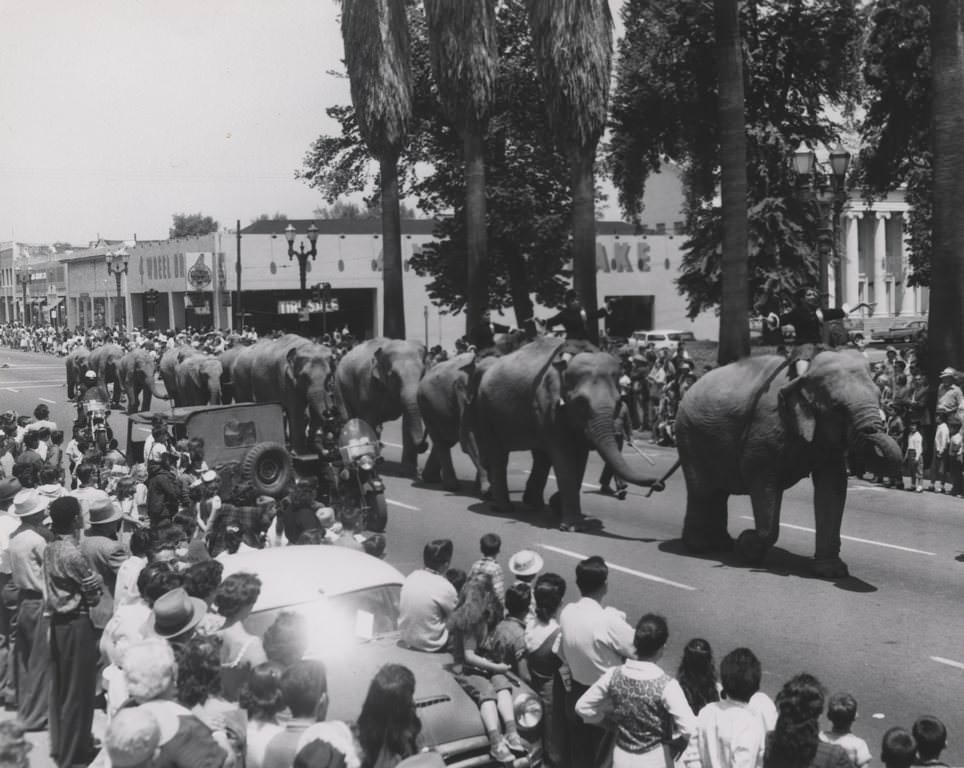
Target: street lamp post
{"points": [[303, 257], [23, 277], [828, 190], [117, 266]]}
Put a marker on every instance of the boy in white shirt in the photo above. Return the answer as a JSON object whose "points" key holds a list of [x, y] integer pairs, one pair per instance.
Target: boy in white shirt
{"points": [[914, 457], [942, 437]]}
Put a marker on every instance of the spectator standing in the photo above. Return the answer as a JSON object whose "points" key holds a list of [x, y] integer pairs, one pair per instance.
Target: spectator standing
{"points": [[72, 589], [240, 650], [29, 463], [950, 399], [730, 734], [388, 726], [796, 739], [842, 712], [652, 718], [914, 457], [942, 437], [165, 495], [125, 586], [9, 522], [427, 600], [897, 748], [261, 699], [930, 737], [87, 478], [31, 638], [105, 553], [542, 638], [594, 639], [490, 545]]}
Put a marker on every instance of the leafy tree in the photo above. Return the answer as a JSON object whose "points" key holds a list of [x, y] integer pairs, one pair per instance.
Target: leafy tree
{"points": [[377, 57], [573, 41], [346, 209], [799, 57], [278, 216], [464, 61], [528, 199], [191, 225]]}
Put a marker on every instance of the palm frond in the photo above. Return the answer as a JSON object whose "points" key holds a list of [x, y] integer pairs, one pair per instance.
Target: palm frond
{"points": [[375, 33], [573, 41]]}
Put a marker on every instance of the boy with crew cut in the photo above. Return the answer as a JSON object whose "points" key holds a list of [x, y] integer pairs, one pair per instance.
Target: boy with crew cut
{"points": [[897, 748], [930, 736], [427, 600], [490, 545], [841, 712]]}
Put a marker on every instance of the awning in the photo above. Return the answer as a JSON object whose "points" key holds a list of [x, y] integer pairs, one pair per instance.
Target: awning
{"points": [[56, 303]]}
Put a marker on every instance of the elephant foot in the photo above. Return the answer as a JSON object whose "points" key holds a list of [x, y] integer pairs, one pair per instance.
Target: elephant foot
{"points": [[450, 484], [580, 524], [830, 568], [752, 547], [699, 542], [533, 500], [431, 475]]}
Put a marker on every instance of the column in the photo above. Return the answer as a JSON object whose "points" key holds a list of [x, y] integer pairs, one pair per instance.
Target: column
{"points": [[852, 258], [879, 262]]}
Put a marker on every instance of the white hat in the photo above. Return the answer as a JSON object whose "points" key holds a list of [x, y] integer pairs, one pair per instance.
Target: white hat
{"points": [[325, 517], [209, 476], [525, 562], [28, 502], [948, 372]]}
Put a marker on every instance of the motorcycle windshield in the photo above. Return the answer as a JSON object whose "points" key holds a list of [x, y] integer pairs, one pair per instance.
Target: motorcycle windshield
{"points": [[357, 439]]}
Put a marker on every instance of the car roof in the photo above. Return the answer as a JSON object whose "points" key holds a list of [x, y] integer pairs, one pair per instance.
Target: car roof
{"points": [[181, 414], [299, 574]]}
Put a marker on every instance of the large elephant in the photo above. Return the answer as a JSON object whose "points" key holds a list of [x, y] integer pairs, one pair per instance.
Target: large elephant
{"points": [[227, 358], [76, 364], [167, 366], [104, 360], [136, 371], [291, 370], [444, 403], [746, 428], [377, 382], [199, 380], [556, 400]]}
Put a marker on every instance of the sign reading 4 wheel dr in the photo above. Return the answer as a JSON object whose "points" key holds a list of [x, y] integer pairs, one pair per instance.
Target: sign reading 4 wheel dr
{"points": [[199, 274]]}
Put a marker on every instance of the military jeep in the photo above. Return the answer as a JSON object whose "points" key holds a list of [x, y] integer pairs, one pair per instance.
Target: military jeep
{"points": [[244, 442]]}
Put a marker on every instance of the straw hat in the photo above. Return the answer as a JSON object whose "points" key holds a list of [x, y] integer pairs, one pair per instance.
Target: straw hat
{"points": [[525, 562], [102, 509], [28, 502]]}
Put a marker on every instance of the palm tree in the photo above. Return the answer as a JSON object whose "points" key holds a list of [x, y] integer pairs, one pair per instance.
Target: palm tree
{"points": [[573, 43], [734, 309], [375, 33], [945, 337], [464, 61]]}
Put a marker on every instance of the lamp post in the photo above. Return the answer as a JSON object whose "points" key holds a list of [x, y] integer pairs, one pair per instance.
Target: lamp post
{"points": [[303, 257], [828, 190], [117, 266], [23, 277]]}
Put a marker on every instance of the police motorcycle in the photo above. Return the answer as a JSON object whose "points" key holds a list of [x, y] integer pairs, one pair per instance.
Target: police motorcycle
{"points": [[92, 413], [350, 483]]}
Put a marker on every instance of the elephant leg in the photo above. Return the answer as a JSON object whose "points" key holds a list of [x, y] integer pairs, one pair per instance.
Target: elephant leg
{"points": [[498, 468], [432, 473], [766, 499], [704, 527], [450, 482], [569, 464], [829, 499], [536, 483], [145, 399]]}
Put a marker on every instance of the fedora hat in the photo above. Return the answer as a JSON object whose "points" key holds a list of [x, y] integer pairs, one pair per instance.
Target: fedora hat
{"points": [[525, 562], [28, 502], [176, 612], [102, 509], [9, 487]]}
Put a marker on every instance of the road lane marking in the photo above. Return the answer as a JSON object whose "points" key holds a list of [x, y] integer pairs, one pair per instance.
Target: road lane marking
{"points": [[552, 476], [392, 445], [45, 400], [403, 506], [10, 389], [854, 538], [27, 386], [948, 662], [622, 569]]}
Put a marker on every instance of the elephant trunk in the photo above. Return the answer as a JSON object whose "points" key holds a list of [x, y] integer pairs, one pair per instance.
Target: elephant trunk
{"points": [[601, 434], [151, 381], [319, 400], [870, 439], [412, 423]]}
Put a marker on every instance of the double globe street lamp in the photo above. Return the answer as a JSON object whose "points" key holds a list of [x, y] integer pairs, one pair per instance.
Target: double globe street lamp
{"points": [[117, 266], [829, 192], [303, 257], [23, 277]]}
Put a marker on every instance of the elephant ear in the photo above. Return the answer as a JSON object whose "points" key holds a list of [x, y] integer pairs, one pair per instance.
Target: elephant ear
{"points": [[379, 364], [290, 372], [798, 409], [467, 388]]}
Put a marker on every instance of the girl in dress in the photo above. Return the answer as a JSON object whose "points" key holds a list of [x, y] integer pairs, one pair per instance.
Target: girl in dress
{"points": [[542, 641]]}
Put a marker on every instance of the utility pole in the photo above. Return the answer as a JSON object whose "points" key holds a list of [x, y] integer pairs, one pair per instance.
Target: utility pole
{"points": [[237, 271]]}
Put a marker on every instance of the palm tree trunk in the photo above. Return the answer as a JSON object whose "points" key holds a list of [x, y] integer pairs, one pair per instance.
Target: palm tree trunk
{"points": [[394, 300], [518, 283], [584, 232], [477, 283], [945, 337], [734, 310]]}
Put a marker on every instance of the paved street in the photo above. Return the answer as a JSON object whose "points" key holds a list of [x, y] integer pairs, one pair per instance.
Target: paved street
{"points": [[890, 634]]}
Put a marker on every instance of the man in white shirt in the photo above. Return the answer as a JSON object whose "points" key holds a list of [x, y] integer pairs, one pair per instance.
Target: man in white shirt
{"points": [[9, 488], [427, 600], [594, 639], [730, 733]]}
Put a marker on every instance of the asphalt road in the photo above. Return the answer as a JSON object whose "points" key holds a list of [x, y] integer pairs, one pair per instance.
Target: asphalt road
{"points": [[892, 634]]}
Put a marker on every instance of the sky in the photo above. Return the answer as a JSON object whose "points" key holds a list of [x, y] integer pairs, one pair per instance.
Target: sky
{"points": [[117, 114]]}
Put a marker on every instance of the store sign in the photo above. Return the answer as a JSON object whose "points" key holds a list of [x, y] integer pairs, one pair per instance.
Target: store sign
{"points": [[293, 307], [199, 275]]}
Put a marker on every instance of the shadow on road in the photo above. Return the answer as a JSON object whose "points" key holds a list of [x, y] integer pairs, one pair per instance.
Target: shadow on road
{"points": [[779, 562]]}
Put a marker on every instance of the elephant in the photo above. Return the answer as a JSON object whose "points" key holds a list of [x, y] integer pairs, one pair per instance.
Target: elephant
{"points": [[104, 360], [199, 380], [747, 428], [136, 371], [76, 364], [167, 366], [556, 399], [227, 358], [444, 401], [377, 381], [291, 370]]}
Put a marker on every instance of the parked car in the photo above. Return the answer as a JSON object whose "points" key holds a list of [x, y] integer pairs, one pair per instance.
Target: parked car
{"points": [[910, 332], [242, 442], [660, 338], [350, 601]]}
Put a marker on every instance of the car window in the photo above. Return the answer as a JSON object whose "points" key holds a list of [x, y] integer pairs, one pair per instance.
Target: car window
{"points": [[657, 337], [341, 620], [239, 433]]}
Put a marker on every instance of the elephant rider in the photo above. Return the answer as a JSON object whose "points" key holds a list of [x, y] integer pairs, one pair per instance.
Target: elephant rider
{"points": [[574, 318], [482, 335], [807, 319]]}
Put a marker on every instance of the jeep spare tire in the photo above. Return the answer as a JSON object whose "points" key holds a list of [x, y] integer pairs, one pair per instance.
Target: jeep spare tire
{"points": [[267, 466]]}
